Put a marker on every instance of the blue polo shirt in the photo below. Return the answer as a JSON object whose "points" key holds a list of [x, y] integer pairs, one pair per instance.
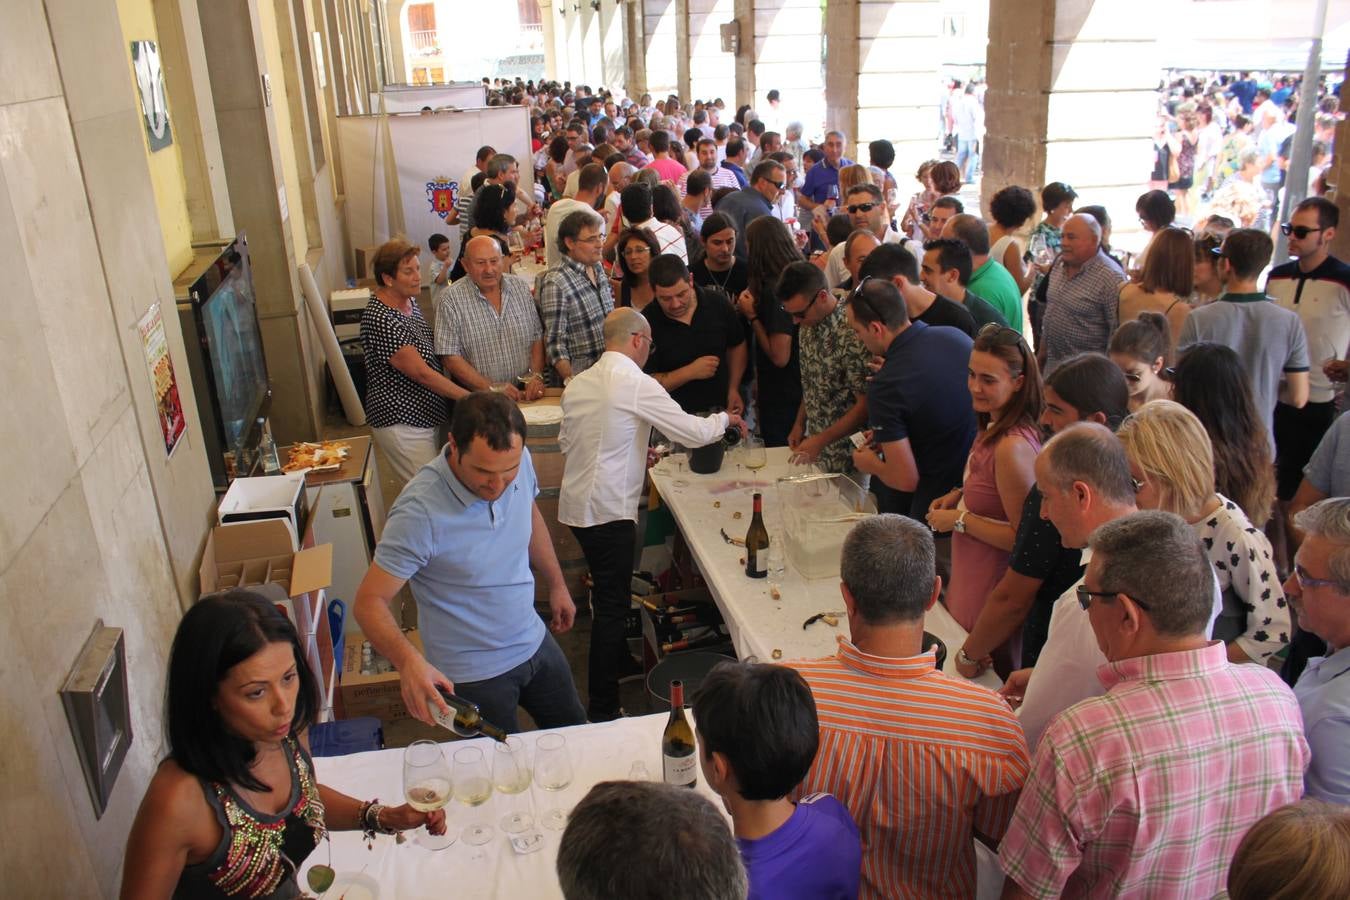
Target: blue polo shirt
{"points": [[921, 394], [467, 561], [821, 176]]}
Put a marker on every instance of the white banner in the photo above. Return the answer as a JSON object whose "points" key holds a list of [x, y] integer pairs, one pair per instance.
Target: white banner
{"points": [[408, 98], [365, 204], [433, 152]]}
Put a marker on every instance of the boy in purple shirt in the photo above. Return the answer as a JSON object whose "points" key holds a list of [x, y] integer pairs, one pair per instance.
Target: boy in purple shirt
{"points": [[758, 735]]}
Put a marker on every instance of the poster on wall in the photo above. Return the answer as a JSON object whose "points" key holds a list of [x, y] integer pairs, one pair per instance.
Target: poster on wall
{"points": [[154, 98], [168, 406]]}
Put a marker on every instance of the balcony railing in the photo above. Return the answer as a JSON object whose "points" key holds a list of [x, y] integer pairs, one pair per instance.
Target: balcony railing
{"points": [[424, 43]]}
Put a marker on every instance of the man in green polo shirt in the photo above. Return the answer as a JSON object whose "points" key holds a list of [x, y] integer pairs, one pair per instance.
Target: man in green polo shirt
{"points": [[988, 278]]}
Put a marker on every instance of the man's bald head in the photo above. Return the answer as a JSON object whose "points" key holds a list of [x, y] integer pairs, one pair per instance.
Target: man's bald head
{"points": [[620, 174], [1085, 221], [483, 262], [971, 230], [620, 326]]}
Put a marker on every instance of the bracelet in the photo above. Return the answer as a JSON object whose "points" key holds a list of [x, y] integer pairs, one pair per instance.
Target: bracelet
{"points": [[963, 658], [370, 820]]}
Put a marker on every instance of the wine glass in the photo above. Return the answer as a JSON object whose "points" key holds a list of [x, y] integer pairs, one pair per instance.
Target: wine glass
{"points": [[473, 787], [511, 775], [426, 785], [754, 455], [776, 562], [678, 455], [552, 772]]}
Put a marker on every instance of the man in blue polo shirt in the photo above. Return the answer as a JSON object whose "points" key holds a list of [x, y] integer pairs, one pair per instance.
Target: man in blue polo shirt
{"points": [[825, 174], [918, 404], [465, 534]]}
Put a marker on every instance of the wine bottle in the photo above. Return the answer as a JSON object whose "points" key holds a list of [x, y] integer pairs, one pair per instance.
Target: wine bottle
{"points": [[679, 762], [711, 639], [464, 718], [757, 542]]}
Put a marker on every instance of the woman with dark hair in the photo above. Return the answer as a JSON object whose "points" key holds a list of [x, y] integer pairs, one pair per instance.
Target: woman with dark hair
{"points": [[553, 170], [916, 214], [880, 157], [946, 178], [1141, 348], [1057, 205], [1083, 388], [1156, 211], [633, 255], [235, 808], [1210, 381], [1166, 280], [494, 214], [1206, 284], [1011, 208], [740, 114], [1005, 389], [770, 249], [666, 208]]}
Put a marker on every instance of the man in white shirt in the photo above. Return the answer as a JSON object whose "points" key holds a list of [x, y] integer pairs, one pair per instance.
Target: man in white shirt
{"points": [[591, 183], [480, 164], [608, 414], [867, 210], [1084, 479]]}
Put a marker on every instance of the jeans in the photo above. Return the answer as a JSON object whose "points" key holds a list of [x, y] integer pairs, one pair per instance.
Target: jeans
{"points": [[542, 684], [609, 554], [966, 158]]}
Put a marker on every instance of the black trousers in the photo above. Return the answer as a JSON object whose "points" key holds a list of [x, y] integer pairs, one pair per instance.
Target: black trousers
{"points": [[609, 554], [1297, 434]]}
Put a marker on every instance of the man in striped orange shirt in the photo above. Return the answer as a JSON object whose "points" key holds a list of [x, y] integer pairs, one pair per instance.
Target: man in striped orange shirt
{"points": [[924, 762]]}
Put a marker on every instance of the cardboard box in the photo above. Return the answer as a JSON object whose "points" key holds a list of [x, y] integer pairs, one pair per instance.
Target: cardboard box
{"points": [[267, 497], [258, 556], [365, 261], [377, 694]]}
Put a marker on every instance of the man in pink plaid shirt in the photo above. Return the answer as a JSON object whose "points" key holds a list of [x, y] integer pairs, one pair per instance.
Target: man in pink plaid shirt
{"points": [[1147, 790]]}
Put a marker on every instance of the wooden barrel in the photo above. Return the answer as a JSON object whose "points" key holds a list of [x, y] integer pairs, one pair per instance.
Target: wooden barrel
{"points": [[542, 442]]}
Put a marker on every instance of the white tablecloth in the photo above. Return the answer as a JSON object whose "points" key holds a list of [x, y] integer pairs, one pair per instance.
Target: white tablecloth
{"points": [[495, 870], [758, 623]]}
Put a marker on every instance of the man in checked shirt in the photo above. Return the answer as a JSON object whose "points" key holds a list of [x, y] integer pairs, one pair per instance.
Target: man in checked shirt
{"points": [[575, 298]]}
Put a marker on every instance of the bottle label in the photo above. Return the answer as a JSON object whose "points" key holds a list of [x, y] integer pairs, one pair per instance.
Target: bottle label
{"points": [[680, 770], [758, 567]]}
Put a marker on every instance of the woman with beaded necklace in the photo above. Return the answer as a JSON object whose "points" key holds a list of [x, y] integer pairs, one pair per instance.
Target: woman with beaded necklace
{"points": [[235, 809]]}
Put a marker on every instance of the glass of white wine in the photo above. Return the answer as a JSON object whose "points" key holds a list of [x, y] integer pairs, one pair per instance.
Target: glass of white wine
{"points": [[426, 785], [754, 456], [473, 787], [511, 776], [552, 772]]}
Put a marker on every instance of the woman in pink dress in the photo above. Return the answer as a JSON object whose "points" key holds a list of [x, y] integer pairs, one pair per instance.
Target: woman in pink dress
{"points": [[1005, 388]]}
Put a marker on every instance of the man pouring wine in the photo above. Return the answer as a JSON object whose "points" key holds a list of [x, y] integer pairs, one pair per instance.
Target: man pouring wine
{"points": [[467, 537], [608, 414]]}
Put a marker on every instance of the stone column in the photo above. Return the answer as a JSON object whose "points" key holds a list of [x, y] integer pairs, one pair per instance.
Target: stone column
{"points": [[712, 72], [548, 16], [897, 83], [1072, 98], [249, 142], [664, 35], [841, 74], [1338, 177]]}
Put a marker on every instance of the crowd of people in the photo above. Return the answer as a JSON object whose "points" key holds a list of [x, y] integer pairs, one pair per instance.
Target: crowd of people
{"points": [[1126, 478]]}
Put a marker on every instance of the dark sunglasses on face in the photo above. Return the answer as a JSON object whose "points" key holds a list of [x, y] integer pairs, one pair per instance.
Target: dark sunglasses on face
{"points": [[862, 207], [1298, 231]]}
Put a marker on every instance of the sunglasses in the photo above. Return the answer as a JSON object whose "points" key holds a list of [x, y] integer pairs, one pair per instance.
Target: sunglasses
{"points": [[800, 316], [1085, 597], [1306, 581], [777, 185], [998, 334], [862, 207], [1298, 231], [859, 297]]}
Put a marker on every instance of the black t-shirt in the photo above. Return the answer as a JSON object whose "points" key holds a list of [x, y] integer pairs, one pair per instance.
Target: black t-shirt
{"points": [[945, 312], [729, 283], [780, 390], [1038, 553], [714, 330]]}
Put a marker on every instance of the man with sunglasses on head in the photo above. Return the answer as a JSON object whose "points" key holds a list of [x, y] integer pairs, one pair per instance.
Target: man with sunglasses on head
{"points": [[1316, 286], [1147, 789], [1269, 339], [749, 203], [918, 406], [834, 370], [867, 211]]}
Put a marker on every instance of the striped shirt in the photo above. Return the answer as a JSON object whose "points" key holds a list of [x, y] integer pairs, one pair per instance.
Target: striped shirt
{"points": [[496, 344], [922, 761], [720, 178], [1080, 314], [1147, 790], [574, 305]]}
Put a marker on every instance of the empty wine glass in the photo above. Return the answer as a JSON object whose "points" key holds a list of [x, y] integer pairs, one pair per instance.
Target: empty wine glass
{"points": [[552, 772], [776, 561], [511, 776], [426, 785], [679, 455], [473, 788]]}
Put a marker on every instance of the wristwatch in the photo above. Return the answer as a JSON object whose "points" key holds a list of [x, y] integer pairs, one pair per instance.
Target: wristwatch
{"points": [[963, 659], [959, 526]]}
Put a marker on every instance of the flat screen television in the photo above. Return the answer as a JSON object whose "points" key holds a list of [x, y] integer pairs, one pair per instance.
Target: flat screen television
{"points": [[225, 355]]}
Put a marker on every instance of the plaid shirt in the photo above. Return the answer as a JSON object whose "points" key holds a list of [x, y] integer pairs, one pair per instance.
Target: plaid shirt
{"points": [[921, 760], [496, 345], [574, 311], [1080, 310], [1147, 790]]}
